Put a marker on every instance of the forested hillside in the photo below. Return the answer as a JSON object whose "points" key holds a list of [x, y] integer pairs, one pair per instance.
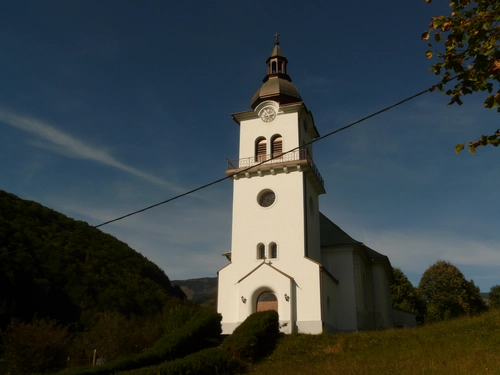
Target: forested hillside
{"points": [[200, 290], [76, 272]]}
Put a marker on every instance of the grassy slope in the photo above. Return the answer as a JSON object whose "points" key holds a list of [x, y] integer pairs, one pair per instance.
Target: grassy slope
{"points": [[462, 346]]}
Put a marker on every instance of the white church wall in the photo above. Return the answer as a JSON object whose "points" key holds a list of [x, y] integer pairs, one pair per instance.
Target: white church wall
{"points": [[299, 300], [292, 223], [227, 298], [285, 218], [286, 124], [330, 299], [368, 287], [362, 317], [312, 222], [383, 307], [308, 296], [306, 125], [339, 262], [266, 279]]}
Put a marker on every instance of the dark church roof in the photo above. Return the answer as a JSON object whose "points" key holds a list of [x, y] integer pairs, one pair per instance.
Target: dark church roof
{"points": [[332, 235]]}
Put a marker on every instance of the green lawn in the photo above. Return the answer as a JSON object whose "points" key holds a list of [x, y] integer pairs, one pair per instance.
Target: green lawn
{"points": [[462, 346]]}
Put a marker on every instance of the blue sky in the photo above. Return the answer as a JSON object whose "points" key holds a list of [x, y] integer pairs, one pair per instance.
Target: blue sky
{"points": [[107, 107]]}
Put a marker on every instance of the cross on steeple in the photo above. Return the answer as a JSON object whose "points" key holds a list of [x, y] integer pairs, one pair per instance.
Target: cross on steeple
{"points": [[276, 37]]}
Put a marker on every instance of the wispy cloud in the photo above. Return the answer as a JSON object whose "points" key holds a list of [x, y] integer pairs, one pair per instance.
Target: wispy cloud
{"points": [[62, 143]]}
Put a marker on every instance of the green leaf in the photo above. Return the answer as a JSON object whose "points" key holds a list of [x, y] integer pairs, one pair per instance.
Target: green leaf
{"points": [[459, 147], [489, 102], [487, 27], [471, 54], [496, 101], [437, 22], [493, 140]]}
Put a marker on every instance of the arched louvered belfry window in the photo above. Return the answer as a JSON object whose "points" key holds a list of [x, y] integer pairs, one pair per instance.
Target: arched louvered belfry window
{"points": [[261, 251], [277, 146], [260, 149], [273, 250]]}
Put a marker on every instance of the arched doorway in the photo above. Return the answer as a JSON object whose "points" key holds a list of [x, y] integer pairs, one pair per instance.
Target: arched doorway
{"points": [[267, 301]]}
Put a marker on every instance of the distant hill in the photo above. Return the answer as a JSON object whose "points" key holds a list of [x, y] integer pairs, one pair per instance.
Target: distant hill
{"points": [[199, 290], [57, 267]]}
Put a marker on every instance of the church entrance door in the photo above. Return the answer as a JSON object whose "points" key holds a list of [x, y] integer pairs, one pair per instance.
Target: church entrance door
{"points": [[267, 301]]}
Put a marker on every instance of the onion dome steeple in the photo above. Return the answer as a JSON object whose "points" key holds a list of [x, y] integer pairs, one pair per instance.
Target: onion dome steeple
{"points": [[277, 84]]}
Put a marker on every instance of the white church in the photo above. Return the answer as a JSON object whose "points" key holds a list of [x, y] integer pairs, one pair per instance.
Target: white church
{"points": [[285, 254]]}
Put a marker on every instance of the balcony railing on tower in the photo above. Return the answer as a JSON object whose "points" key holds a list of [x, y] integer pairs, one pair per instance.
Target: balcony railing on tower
{"points": [[295, 155]]}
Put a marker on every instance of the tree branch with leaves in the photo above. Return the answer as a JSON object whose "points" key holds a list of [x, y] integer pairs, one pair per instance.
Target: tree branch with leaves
{"points": [[470, 55]]}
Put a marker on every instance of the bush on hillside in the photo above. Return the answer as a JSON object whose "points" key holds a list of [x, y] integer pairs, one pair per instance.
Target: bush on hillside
{"points": [[206, 362], [34, 348], [113, 336], [405, 296], [255, 337], [201, 331], [177, 317], [494, 296], [448, 294]]}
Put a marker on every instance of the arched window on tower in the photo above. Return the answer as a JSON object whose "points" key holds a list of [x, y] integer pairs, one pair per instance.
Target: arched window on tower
{"points": [[273, 250], [260, 149], [277, 146], [273, 69], [261, 251]]}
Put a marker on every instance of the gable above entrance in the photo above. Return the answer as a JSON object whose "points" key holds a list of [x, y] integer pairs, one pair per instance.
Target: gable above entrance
{"points": [[266, 268]]}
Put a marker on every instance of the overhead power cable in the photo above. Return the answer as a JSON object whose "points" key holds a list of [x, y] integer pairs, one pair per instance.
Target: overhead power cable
{"points": [[264, 161], [232, 174]]}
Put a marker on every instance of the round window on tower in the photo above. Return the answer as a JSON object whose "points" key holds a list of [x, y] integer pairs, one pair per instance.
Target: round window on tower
{"points": [[266, 198]]}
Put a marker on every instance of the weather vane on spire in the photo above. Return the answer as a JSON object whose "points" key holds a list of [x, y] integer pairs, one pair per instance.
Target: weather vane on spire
{"points": [[276, 37]]}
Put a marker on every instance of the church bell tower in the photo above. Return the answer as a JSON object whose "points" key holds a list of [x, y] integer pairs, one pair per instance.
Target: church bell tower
{"points": [[275, 258]]}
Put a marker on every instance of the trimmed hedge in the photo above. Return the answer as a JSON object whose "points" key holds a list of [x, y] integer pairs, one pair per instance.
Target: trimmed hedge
{"points": [[201, 331], [206, 362], [255, 338]]}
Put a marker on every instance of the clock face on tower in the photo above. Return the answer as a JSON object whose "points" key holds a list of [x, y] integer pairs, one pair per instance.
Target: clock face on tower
{"points": [[268, 114]]}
